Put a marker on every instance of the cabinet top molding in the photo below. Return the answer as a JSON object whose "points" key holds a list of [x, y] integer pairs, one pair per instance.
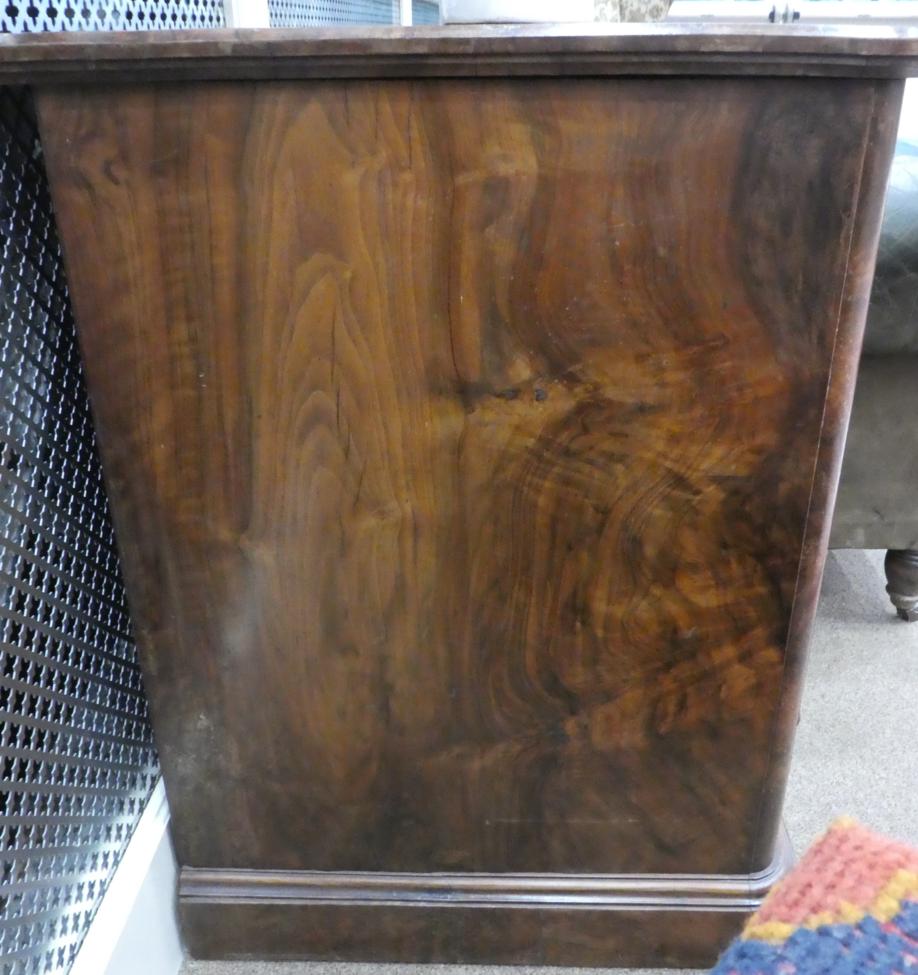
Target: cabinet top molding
{"points": [[467, 51]]}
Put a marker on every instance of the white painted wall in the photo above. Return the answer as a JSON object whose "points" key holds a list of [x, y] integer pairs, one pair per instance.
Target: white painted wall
{"points": [[135, 931], [246, 13], [149, 943]]}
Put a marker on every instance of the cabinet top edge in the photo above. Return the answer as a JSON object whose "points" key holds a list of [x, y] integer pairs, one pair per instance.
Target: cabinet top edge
{"points": [[466, 51]]}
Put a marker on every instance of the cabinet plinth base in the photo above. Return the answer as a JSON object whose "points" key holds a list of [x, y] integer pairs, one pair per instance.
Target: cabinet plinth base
{"points": [[605, 921]]}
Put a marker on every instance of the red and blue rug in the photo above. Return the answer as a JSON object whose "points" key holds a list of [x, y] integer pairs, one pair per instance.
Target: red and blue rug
{"points": [[850, 907]]}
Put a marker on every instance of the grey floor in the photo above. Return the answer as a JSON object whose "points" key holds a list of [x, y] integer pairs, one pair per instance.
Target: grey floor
{"points": [[855, 752]]}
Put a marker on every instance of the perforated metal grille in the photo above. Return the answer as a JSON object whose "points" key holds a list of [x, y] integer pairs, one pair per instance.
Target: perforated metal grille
{"points": [[423, 12], [37, 15], [77, 756], [307, 13]]}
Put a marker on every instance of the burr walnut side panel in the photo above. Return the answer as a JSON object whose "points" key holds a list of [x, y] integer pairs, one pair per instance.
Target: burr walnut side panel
{"points": [[461, 436]]}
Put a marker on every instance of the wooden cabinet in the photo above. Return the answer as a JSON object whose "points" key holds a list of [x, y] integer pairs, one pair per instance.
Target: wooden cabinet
{"points": [[471, 403]]}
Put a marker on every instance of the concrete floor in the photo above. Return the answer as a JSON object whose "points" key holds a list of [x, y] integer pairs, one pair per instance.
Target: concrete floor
{"points": [[855, 752]]}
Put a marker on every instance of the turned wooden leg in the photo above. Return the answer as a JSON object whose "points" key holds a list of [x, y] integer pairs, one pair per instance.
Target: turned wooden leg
{"points": [[902, 581]]}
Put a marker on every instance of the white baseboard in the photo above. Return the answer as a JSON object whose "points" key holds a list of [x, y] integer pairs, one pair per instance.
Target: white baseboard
{"points": [[135, 931]]}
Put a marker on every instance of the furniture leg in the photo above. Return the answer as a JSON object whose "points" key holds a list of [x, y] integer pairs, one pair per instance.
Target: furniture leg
{"points": [[902, 581]]}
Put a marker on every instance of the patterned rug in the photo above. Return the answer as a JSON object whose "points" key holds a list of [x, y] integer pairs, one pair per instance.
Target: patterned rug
{"points": [[850, 907]]}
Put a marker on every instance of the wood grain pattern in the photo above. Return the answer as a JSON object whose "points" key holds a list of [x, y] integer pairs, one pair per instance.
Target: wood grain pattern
{"points": [[462, 439], [586, 937], [839, 50], [861, 260]]}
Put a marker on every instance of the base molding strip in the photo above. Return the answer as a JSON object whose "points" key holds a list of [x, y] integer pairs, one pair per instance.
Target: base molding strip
{"points": [[478, 918]]}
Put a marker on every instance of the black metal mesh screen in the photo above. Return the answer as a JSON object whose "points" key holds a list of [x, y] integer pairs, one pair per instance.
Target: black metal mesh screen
{"points": [[425, 12], [28, 15], [77, 754], [309, 13]]}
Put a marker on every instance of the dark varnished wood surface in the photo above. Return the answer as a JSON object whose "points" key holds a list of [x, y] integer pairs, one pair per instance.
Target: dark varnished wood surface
{"points": [[504, 918], [461, 51], [466, 445], [499, 935], [861, 259]]}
